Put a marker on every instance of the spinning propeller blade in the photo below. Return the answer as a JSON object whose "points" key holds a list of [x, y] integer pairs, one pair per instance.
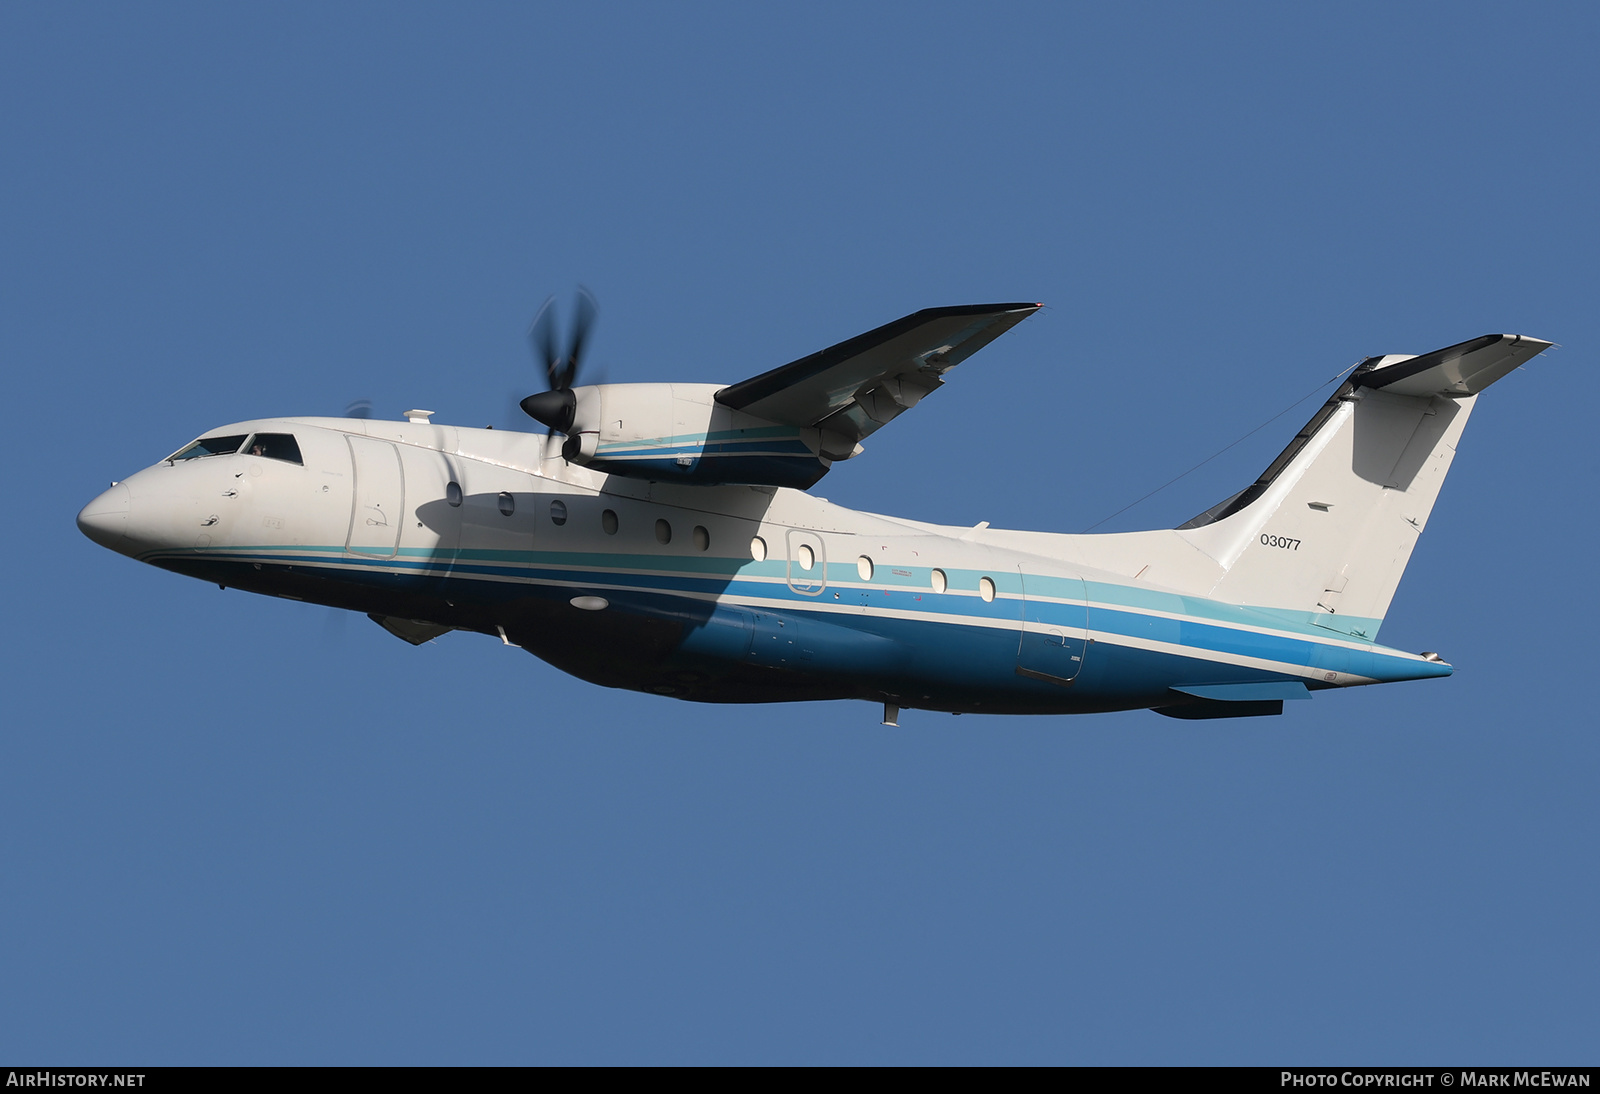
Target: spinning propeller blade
{"points": [[554, 408]]}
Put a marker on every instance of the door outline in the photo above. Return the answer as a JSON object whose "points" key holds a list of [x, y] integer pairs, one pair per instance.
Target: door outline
{"points": [[803, 581], [1053, 644], [374, 502]]}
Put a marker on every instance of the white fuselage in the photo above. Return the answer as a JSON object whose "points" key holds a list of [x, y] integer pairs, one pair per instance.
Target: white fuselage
{"points": [[719, 593]]}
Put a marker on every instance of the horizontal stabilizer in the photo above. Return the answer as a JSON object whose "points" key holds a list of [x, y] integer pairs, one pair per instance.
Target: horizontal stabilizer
{"points": [[1463, 369]]}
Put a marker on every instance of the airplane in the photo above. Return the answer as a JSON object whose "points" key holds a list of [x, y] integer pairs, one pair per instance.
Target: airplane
{"points": [[660, 537]]}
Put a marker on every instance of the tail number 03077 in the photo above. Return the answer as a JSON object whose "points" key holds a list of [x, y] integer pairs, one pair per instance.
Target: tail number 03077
{"points": [[1280, 541]]}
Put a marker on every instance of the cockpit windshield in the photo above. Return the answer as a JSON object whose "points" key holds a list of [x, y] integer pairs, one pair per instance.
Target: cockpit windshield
{"points": [[209, 446], [275, 446]]}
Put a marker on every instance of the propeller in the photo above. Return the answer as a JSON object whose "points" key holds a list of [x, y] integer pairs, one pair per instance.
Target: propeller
{"points": [[556, 407]]}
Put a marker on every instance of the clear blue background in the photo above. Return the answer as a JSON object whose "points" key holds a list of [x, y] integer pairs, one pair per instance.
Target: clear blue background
{"points": [[242, 830]]}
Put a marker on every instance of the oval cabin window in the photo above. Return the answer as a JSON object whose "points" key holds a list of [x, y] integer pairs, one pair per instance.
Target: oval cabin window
{"points": [[940, 582], [452, 493], [758, 549], [663, 532], [986, 589], [507, 504], [558, 512], [608, 521], [702, 538], [864, 568], [806, 556]]}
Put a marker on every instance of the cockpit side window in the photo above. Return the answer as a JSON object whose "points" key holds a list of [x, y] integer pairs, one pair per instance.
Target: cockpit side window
{"points": [[275, 446], [209, 446]]}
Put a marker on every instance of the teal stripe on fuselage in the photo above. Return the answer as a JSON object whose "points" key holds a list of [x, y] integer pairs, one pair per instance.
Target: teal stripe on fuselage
{"points": [[1201, 625]]}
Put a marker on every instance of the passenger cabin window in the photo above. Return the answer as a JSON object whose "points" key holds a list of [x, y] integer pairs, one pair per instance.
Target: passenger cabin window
{"points": [[209, 446], [452, 493], [558, 512], [275, 446]]}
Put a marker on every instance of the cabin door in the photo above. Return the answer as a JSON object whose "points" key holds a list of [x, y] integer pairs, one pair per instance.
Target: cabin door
{"points": [[1055, 618], [378, 500]]}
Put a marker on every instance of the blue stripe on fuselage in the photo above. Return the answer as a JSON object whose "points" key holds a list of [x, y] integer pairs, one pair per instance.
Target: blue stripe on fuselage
{"points": [[975, 648]]}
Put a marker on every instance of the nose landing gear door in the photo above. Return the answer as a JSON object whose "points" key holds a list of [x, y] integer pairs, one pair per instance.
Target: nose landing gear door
{"points": [[1055, 628]]}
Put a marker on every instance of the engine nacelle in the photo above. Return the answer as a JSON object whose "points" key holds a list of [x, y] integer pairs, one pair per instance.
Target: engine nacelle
{"points": [[680, 433]]}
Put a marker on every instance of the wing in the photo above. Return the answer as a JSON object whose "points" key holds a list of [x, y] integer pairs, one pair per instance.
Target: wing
{"points": [[851, 389]]}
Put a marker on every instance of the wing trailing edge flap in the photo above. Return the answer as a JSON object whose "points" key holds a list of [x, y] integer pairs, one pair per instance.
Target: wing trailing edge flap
{"points": [[849, 391]]}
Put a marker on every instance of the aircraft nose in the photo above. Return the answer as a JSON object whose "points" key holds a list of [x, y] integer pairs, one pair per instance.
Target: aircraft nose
{"points": [[105, 519]]}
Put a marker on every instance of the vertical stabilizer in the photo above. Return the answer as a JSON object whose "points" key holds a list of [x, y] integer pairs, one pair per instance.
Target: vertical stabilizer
{"points": [[1325, 533]]}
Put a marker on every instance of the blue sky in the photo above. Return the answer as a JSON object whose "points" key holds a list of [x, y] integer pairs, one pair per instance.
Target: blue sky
{"points": [[242, 830]]}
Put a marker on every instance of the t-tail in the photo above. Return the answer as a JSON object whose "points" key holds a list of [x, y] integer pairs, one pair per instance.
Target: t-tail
{"points": [[1325, 533]]}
